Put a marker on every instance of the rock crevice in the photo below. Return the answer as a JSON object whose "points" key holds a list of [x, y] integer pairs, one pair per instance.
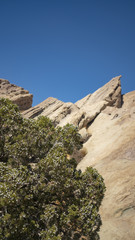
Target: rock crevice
{"points": [[106, 121]]}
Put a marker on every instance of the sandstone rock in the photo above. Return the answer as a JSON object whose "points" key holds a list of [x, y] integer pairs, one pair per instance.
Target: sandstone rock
{"points": [[83, 101], [53, 108], [47, 106], [108, 95], [83, 112], [16, 94], [106, 121], [111, 151], [110, 92]]}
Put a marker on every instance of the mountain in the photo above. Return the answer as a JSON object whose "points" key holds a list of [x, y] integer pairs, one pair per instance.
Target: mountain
{"points": [[106, 121]]}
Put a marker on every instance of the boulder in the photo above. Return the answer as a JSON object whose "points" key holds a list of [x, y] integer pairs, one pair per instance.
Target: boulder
{"points": [[17, 95]]}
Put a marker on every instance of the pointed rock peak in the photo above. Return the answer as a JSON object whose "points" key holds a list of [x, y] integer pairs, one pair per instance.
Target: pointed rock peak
{"points": [[110, 94]]}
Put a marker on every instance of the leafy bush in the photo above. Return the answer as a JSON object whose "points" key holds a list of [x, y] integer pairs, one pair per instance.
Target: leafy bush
{"points": [[51, 199]]}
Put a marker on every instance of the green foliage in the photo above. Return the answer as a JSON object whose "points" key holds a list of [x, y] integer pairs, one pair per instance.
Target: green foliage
{"points": [[24, 141], [50, 200]]}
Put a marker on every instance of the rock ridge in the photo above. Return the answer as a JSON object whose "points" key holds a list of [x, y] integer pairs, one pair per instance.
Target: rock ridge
{"points": [[106, 121]]}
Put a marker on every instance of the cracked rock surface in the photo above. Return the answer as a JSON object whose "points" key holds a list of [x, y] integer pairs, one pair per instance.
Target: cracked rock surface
{"points": [[111, 150], [106, 121], [17, 95], [84, 111]]}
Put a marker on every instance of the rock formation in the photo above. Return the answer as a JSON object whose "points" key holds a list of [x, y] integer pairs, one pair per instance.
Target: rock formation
{"points": [[111, 150], [16, 94], [106, 121], [83, 112]]}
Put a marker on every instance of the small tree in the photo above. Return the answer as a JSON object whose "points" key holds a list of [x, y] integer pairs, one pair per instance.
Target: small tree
{"points": [[52, 200]]}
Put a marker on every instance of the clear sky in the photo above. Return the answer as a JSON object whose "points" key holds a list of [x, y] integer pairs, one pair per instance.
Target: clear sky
{"points": [[67, 48]]}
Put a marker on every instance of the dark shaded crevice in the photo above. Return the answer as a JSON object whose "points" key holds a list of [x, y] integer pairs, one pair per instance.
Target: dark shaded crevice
{"points": [[82, 117], [86, 138], [103, 108], [124, 211], [122, 100], [36, 114], [87, 99], [112, 100], [89, 123]]}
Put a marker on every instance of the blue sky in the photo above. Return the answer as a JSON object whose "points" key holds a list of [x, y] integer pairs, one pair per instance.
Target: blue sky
{"points": [[67, 48]]}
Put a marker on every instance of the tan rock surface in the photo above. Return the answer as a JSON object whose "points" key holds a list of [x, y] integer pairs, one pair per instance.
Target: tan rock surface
{"points": [[107, 124], [83, 112], [17, 95], [111, 150], [52, 108]]}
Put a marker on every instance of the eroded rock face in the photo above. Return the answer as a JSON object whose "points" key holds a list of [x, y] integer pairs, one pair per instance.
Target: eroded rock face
{"points": [[17, 95], [111, 150], [106, 121], [53, 108], [83, 112]]}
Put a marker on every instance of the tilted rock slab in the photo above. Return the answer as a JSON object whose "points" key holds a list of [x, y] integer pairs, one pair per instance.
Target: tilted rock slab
{"points": [[17, 95], [111, 150], [106, 121], [53, 108]]}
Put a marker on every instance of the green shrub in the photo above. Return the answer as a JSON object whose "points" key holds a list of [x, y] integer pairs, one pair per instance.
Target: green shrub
{"points": [[52, 200]]}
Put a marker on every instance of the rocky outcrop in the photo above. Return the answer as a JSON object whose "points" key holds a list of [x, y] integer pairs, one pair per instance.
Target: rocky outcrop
{"points": [[108, 95], [111, 150], [83, 112], [106, 121], [16, 94], [52, 108]]}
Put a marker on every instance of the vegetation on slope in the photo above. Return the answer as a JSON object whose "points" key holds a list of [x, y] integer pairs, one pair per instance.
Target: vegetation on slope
{"points": [[42, 194]]}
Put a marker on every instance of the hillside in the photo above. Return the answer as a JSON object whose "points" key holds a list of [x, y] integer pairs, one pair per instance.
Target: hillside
{"points": [[106, 121]]}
